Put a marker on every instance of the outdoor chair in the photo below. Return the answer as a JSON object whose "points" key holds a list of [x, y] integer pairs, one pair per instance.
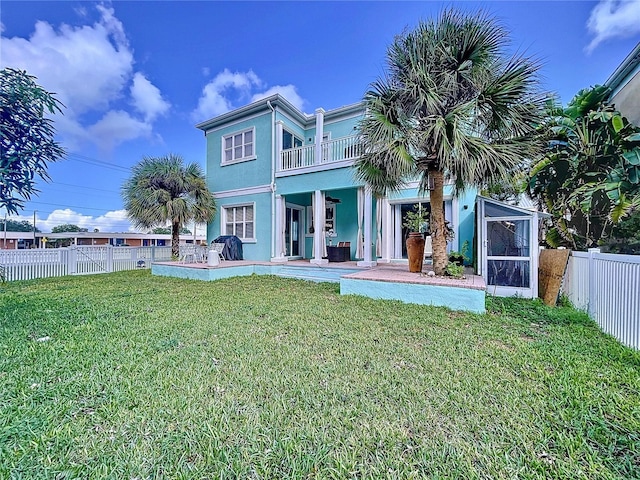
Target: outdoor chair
{"points": [[428, 248], [188, 252]]}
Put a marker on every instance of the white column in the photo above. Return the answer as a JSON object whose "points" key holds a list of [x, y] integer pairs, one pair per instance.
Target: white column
{"points": [[387, 232], [534, 254], [397, 231], [280, 207], [448, 215], [319, 134], [368, 215], [318, 227], [279, 127]]}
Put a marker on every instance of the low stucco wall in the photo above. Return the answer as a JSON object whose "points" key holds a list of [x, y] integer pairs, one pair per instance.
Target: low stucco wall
{"points": [[470, 300]]}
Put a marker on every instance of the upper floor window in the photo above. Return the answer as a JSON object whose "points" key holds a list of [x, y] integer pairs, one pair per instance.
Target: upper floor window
{"points": [[238, 146], [289, 140]]}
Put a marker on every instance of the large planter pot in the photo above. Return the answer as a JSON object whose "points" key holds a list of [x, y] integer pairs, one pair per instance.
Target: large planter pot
{"points": [[415, 251]]}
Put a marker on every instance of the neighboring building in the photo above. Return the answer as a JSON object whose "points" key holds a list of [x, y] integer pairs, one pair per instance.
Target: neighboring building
{"points": [[625, 86], [15, 240], [284, 184], [19, 240]]}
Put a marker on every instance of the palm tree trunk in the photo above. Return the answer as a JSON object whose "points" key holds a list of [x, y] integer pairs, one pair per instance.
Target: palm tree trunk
{"points": [[438, 226], [175, 240]]}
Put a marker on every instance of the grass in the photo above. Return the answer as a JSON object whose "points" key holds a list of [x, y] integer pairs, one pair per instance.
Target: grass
{"points": [[130, 376]]}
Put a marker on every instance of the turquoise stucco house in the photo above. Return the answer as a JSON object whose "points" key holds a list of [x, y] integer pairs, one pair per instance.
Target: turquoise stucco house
{"points": [[285, 185]]}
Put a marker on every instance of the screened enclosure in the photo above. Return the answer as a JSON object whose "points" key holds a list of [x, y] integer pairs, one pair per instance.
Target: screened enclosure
{"points": [[508, 248]]}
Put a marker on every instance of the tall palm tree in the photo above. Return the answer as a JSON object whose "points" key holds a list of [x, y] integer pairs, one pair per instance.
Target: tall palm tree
{"points": [[451, 106], [163, 190]]}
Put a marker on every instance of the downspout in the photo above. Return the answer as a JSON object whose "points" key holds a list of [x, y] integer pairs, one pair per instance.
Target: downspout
{"points": [[273, 178]]}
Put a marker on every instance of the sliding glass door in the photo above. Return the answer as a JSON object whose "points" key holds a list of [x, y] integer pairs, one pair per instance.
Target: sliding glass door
{"points": [[294, 240]]}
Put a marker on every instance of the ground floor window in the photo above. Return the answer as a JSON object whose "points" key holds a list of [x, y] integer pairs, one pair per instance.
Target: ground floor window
{"points": [[238, 220], [329, 220]]}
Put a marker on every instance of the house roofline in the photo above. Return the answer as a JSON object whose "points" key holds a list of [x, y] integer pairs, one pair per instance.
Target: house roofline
{"points": [[524, 210], [631, 62], [127, 235], [279, 101]]}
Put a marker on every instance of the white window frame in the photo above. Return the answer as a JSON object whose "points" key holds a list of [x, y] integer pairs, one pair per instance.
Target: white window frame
{"points": [[294, 137], [244, 158], [330, 224], [223, 221]]}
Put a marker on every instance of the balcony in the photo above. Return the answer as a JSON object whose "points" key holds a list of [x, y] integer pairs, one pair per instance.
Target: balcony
{"points": [[334, 153]]}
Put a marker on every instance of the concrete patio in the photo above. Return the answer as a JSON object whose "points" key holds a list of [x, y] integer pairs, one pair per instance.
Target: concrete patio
{"points": [[384, 281]]}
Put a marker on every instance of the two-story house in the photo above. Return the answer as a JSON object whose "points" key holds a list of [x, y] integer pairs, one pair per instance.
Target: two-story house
{"points": [[285, 185]]}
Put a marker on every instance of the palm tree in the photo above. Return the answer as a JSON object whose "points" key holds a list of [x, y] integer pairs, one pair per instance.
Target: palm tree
{"points": [[165, 190], [451, 106]]}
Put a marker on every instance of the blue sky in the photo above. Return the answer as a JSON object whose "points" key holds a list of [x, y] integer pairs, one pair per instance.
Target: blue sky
{"points": [[137, 76]]}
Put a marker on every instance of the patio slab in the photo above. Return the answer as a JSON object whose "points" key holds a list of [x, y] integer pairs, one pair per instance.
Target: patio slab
{"points": [[395, 282], [384, 281]]}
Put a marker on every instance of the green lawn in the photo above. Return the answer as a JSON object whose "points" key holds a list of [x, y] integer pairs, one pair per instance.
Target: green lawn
{"points": [[263, 377]]}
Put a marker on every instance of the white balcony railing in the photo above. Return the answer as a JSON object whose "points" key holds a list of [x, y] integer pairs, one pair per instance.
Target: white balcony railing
{"points": [[340, 149], [298, 157]]}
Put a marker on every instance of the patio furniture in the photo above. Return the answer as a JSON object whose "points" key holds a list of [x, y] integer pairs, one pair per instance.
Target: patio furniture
{"points": [[218, 248], [194, 253], [233, 246], [428, 248], [340, 253]]}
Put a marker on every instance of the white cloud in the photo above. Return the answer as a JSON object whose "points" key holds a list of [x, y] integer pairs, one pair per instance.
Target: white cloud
{"points": [[287, 91], [86, 66], [147, 98], [90, 68], [116, 127], [113, 221], [232, 90], [613, 18], [219, 94]]}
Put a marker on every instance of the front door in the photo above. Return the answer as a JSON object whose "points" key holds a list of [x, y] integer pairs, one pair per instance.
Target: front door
{"points": [[507, 256], [293, 231]]}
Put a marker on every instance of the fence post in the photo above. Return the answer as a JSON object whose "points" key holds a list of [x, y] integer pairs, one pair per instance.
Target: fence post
{"points": [[109, 258], [153, 253], [593, 278], [72, 260]]}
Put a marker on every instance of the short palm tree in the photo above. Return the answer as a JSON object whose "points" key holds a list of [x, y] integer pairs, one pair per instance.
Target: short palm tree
{"points": [[451, 106], [165, 190]]}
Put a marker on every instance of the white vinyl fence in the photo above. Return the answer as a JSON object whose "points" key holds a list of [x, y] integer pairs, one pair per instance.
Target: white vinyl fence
{"points": [[607, 286], [78, 260]]}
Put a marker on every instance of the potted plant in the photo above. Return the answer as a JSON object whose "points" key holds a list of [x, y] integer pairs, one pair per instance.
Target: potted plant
{"points": [[416, 221]]}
